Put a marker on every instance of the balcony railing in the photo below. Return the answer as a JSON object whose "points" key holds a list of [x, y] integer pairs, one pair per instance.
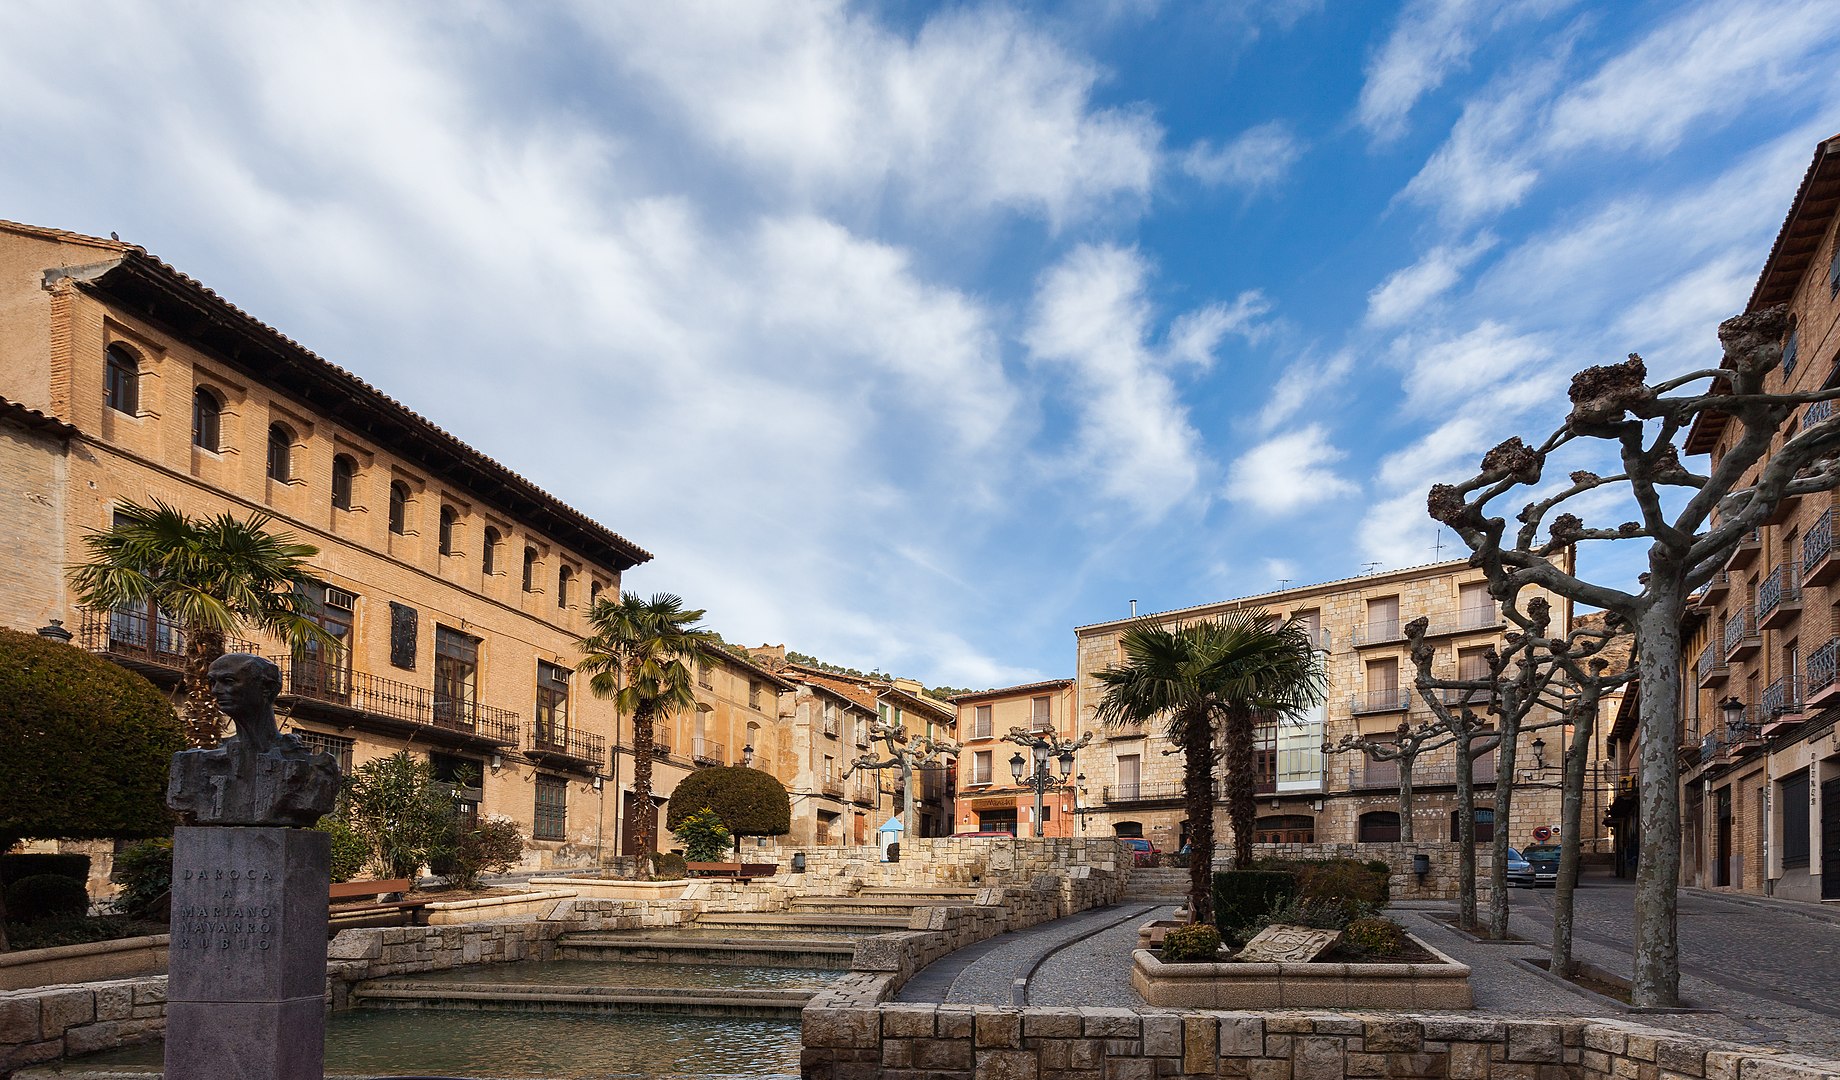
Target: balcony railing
{"points": [[1822, 671], [552, 740], [831, 782], [1370, 774], [1390, 699], [1818, 566], [132, 635], [708, 752], [1781, 697], [1378, 632], [387, 699], [1161, 790], [1467, 621], [863, 790], [661, 748], [1741, 632], [1464, 695], [1816, 412], [1749, 547], [1376, 775], [1778, 597]]}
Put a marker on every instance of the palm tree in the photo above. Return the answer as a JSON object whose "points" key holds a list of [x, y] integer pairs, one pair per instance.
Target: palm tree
{"points": [[212, 577], [637, 655], [1218, 677]]}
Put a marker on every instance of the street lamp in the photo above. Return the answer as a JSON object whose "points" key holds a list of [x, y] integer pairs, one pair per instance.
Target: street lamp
{"points": [[1539, 752], [1042, 748], [747, 756]]}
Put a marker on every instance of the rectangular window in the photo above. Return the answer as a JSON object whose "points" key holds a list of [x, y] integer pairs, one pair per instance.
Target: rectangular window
{"points": [[338, 746], [980, 724], [1311, 622], [552, 702], [402, 636], [702, 674], [753, 694], [551, 821], [456, 678], [1476, 606], [1383, 618], [318, 670], [1041, 716], [1473, 663], [1795, 821], [980, 767], [1383, 674], [1127, 775]]}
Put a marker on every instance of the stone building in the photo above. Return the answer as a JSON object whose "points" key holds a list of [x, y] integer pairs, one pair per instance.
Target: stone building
{"points": [[458, 588], [989, 798], [1760, 799], [1134, 779]]}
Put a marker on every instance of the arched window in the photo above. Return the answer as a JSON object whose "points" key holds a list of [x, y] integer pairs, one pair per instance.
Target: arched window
{"points": [[399, 506], [489, 559], [343, 469], [1128, 828], [1379, 827], [207, 419], [594, 593], [1485, 824], [280, 453], [530, 569], [448, 516], [121, 388], [563, 577]]}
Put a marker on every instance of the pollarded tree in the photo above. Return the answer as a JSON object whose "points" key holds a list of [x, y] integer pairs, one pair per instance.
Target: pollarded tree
{"points": [[213, 577], [1212, 680], [638, 655], [1691, 522], [1403, 748], [748, 802], [84, 746]]}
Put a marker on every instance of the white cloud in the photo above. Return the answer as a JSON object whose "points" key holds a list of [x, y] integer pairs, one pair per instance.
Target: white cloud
{"points": [[1092, 325], [1304, 382], [1254, 159], [975, 112], [1405, 292], [1432, 39], [1483, 368], [1396, 530], [1289, 472], [1481, 168]]}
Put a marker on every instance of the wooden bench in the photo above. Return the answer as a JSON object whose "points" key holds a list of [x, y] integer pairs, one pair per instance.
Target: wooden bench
{"points": [[740, 871], [362, 907]]}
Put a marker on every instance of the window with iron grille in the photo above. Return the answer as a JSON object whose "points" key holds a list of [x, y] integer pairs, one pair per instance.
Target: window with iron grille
{"points": [[980, 767], [463, 776], [338, 746], [551, 821]]}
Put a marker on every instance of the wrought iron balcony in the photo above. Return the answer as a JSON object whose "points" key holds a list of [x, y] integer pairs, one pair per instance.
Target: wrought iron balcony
{"points": [[661, 748], [1378, 632], [1781, 698], [1779, 599], [140, 641], [1160, 791], [1741, 636], [1822, 673], [1816, 412], [1458, 695], [1467, 621], [1747, 551], [1716, 590], [1711, 666], [1377, 775], [559, 743], [377, 702], [831, 782], [1819, 567], [1390, 699], [1369, 775], [708, 752]]}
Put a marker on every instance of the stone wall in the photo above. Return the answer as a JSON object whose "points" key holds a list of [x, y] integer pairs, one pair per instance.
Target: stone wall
{"points": [[1440, 883], [50, 1022], [960, 862], [962, 1042]]}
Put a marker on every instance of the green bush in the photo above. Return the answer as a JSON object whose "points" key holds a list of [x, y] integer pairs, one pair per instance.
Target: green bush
{"points": [[32, 864], [748, 802], [492, 848], [1317, 914], [403, 814], [350, 853], [78, 930], [1375, 937], [45, 896], [703, 837], [84, 745], [1199, 944], [1345, 880], [1241, 896], [144, 872], [668, 866]]}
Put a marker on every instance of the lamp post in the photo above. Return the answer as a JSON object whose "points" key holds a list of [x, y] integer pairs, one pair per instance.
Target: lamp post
{"points": [[1035, 772]]}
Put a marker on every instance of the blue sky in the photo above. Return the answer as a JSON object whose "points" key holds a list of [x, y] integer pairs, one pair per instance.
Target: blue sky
{"points": [[914, 336]]}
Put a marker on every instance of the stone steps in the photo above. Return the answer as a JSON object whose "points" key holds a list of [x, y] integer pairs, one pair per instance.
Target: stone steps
{"points": [[409, 994], [824, 954], [822, 923]]}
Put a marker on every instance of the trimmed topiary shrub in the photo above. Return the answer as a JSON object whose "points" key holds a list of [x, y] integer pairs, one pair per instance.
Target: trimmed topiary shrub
{"points": [[747, 801], [1241, 896], [1375, 937], [32, 864], [1198, 944], [144, 872], [45, 896], [1344, 880], [668, 865]]}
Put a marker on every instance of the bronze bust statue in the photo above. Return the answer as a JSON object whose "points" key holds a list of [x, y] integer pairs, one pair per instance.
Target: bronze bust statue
{"points": [[257, 776]]}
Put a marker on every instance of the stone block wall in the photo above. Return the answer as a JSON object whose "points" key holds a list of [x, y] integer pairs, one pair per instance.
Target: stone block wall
{"points": [[1441, 883], [957, 862], [50, 1022], [961, 1042]]}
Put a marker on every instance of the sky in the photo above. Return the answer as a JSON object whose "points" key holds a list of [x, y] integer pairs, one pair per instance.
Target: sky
{"points": [[912, 335]]}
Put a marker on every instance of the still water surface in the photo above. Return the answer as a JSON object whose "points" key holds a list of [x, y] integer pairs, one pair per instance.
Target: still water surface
{"points": [[628, 973], [518, 1045]]}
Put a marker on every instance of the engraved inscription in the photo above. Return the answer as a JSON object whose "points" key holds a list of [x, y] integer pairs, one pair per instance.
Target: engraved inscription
{"points": [[226, 910]]}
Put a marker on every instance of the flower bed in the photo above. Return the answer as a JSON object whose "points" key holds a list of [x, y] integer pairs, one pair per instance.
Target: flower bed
{"points": [[1442, 983]]}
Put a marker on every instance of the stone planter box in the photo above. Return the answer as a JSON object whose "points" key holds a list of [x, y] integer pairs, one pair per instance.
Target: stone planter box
{"points": [[1440, 985], [1150, 934], [92, 961]]}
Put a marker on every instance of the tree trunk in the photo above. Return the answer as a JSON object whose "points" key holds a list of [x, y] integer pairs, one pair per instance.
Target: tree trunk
{"points": [[1466, 830], [1198, 794], [1571, 824], [908, 828], [645, 815], [1503, 805], [1656, 981], [202, 723], [1405, 798], [1240, 810]]}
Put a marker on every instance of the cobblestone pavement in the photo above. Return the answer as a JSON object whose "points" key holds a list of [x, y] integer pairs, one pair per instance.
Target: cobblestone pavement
{"points": [[1094, 971], [985, 973]]}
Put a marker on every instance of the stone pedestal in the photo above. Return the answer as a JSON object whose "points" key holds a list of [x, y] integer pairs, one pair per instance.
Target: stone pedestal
{"points": [[246, 977]]}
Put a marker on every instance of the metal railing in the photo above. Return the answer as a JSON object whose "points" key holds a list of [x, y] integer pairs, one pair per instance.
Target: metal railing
{"points": [[1390, 699], [1710, 659], [661, 748], [1740, 629], [708, 752], [563, 742], [1818, 544], [1816, 412], [1377, 631], [1467, 620], [831, 782], [1823, 666], [1779, 587], [316, 680], [132, 634], [1373, 775], [1781, 696]]}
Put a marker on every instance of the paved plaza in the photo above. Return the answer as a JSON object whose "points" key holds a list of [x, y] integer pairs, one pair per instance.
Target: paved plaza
{"points": [[1760, 972]]}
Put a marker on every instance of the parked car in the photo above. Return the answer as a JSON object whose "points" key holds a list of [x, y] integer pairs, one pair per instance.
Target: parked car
{"points": [[1143, 852], [1520, 871], [1545, 860]]}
